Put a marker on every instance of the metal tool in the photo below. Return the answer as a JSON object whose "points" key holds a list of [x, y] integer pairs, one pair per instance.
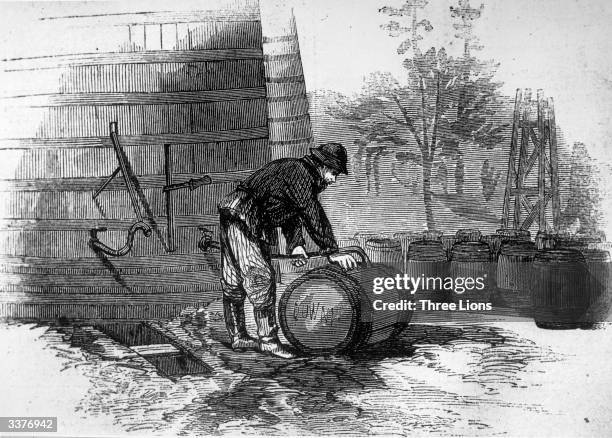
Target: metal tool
{"points": [[127, 178]]}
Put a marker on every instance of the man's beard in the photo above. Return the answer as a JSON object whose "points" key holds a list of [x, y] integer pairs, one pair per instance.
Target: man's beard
{"points": [[322, 185]]}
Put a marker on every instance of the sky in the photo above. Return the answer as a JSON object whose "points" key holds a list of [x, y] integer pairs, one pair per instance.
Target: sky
{"points": [[561, 46]]}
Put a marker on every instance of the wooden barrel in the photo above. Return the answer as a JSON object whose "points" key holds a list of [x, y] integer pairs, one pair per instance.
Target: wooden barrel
{"points": [[363, 237], [328, 310], [503, 235], [600, 284], [349, 241], [385, 251], [560, 289], [406, 238], [448, 240], [427, 259], [193, 94], [513, 274], [468, 235], [290, 130], [472, 260]]}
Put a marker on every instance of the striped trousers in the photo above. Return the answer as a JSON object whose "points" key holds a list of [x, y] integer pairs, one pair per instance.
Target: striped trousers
{"points": [[246, 266]]}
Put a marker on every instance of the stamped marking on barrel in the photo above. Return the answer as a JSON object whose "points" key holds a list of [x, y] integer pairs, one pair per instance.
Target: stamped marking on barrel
{"points": [[315, 312]]}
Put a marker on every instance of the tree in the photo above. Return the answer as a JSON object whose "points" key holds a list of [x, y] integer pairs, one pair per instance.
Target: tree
{"points": [[584, 202], [418, 120]]}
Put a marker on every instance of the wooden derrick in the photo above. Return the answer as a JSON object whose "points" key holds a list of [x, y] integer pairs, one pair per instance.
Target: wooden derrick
{"points": [[533, 156]]}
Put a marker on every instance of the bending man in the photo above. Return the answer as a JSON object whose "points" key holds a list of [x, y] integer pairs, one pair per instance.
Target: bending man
{"points": [[283, 193]]}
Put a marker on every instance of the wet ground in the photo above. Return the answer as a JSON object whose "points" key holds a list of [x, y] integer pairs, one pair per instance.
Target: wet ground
{"points": [[467, 377]]}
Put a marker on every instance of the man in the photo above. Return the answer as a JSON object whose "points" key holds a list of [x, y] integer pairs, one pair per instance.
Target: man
{"points": [[283, 193]]}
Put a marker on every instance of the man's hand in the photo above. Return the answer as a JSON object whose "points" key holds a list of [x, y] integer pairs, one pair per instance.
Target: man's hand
{"points": [[299, 251], [347, 261]]}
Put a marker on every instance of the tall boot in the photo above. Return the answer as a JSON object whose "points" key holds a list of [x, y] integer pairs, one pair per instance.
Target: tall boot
{"points": [[267, 330], [236, 327]]}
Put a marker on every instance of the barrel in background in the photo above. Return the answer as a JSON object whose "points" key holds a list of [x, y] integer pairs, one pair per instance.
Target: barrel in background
{"points": [[472, 260], [600, 284], [513, 274], [427, 259], [385, 251], [560, 290]]}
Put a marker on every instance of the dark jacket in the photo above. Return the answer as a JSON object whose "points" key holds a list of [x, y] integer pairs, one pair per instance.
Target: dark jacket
{"points": [[283, 193]]}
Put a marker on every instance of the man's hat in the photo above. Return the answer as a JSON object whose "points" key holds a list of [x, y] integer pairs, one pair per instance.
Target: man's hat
{"points": [[332, 155]]}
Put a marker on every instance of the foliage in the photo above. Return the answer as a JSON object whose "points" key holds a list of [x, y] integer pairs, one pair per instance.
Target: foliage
{"points": [[584, 202]]}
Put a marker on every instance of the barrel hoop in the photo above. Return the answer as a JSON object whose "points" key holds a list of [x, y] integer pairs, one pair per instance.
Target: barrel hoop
{"points": [[87, 224], [287, 98], [145, 57], [93, 183], [112, 99], [257, 132], [127, 266], [351, 288], [289, 118], [290, 142], [282, 57], [285, 79], [280, 39], [68, 291]]}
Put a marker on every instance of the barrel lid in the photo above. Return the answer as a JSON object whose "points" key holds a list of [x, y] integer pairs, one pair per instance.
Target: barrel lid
{"points": [[426, 250], [518, 248], [319, 311], [468, 235], [596, 255], [559, 255], [383, 242], [514, 233], [470, 251]]}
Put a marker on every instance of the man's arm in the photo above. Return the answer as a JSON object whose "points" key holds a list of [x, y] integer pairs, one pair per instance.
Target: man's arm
{"points": [[293, 235], [318, 226]]}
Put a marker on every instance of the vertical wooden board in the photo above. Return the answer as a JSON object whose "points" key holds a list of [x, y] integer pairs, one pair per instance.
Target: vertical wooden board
{"points": [[204, 200], [179, 118], [183, 158], [144, 159], [184, 36], [168, 36], [250, 34], [154, 119], [209, 157], [154, 36], [175, 77], [205, 117], [45, 243]]}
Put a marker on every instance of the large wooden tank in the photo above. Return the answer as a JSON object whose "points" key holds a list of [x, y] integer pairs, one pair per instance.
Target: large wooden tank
{"points": [[193, 93]]}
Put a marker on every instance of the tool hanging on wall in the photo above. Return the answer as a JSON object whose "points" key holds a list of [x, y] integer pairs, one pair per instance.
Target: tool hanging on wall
{"points": [[534, 123], [192, 184], [128, 178]]}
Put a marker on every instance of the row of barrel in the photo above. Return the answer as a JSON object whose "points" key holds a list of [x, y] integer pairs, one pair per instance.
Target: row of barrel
{"points": [[563, 281]]}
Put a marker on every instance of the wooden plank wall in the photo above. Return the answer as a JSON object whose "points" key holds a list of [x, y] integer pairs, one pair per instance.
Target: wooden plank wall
{"points": [[197, 85]]}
